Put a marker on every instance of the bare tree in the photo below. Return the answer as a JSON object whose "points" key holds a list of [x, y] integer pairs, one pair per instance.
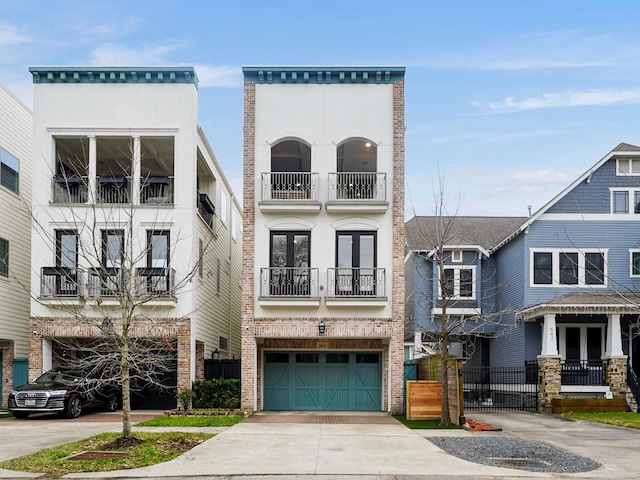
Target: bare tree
{"points": [[121, 334], [441, 234]]}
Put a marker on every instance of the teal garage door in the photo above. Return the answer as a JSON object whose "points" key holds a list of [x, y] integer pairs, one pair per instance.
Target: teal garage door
{"points": [[322, 381]]}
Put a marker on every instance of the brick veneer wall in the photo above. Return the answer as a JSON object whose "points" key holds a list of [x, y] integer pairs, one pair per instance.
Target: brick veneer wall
{"points": [[397, 307], [248, 210], [7, 349], [165, 328]]}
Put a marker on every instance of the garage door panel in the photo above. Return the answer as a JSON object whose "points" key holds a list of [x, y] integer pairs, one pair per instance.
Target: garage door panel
{"points": [[322, 381]]}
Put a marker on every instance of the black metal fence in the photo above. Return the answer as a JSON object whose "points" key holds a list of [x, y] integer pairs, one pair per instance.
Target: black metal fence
{"points": [[222, 369], [632, 381], [501, 388]]}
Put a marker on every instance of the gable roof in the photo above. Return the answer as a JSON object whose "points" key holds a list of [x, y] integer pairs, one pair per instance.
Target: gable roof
{"points": [[624, 148], [483, 232]]}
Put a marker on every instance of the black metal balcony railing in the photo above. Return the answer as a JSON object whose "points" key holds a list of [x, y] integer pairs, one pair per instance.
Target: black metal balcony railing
{"points": [[60, 282], [207, 210], [156, 190], [289, 282], [583, 372], [358, 186], [289, 186], [68, 189], [356, 282], [156, 282], [112, 189], [105, 282]]}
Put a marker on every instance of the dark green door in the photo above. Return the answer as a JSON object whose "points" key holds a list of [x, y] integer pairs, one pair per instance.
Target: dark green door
{"points": [[322, 381]]}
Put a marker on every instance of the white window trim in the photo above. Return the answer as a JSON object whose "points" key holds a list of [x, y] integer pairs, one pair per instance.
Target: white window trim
{"points": [[630, 204], [456, 256], [456, 282], [631, 252], [555, 266], [629, 162]]}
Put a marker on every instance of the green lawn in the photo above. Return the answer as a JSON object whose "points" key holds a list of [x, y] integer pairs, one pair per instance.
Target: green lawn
{"points": [[621, 419], [154, 448], [192, 421], [417, 424]]}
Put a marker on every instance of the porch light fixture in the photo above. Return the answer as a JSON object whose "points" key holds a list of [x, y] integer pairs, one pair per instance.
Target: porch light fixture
{"points": [[215, 355], [321, 327]]}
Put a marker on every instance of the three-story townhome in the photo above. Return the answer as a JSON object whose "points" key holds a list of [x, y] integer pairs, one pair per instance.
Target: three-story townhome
{"points": [[134, 225], [323, 238]]}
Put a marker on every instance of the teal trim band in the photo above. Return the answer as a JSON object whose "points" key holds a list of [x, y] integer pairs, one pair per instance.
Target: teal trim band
{"points": [[318, 75], [114, 75]]}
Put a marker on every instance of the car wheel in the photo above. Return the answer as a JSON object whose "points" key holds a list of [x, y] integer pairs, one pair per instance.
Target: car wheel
{"points": [[74, 408], [112, 403], [20, 414]]}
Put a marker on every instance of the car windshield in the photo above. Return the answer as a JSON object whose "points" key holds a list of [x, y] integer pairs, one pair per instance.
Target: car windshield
{"points": [[57, 376]]}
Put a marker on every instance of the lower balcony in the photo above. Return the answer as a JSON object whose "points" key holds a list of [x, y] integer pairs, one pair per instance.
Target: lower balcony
{"points": [[289, 286], [61, 283], [356, 285], [105, 282], [156, 283]]}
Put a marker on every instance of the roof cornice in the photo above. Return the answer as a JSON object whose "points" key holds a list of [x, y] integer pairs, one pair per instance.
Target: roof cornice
{"points": [[324, 74], [91, 74]]}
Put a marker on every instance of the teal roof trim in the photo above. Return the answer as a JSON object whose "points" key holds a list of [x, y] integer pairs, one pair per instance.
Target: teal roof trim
{"points": [[114, 75], [359, 75]]}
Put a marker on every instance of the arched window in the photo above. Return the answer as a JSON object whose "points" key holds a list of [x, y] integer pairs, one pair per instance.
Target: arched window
{"points": [[356, 176], [290, 176]]}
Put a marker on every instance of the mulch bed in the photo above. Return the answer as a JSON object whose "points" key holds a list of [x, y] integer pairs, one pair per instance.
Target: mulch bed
{"points": [[474, 426]]}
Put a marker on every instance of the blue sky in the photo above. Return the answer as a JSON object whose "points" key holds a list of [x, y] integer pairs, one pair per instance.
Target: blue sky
{"points": [[509, 100]]}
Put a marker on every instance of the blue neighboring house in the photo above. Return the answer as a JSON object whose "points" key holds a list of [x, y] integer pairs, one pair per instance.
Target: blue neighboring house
{"points": [[561, 287]]}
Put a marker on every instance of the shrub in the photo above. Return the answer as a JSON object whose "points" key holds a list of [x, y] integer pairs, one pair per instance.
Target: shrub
{"points": [[185, 397], [216, 393]]}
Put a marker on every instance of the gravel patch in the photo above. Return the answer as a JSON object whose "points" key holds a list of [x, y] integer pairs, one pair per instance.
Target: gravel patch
{"points": [[515, 453]]}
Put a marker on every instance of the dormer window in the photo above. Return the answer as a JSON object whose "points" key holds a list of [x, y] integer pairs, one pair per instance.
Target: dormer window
{"points": [[456, 256], [628, 166]]}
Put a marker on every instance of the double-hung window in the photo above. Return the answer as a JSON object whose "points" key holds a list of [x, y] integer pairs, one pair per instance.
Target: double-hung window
{"points": [[4, 257], [625, 201], [558, 267], [9, 171], [635, 262], [459, 283], [112, 257], [158, 278]]}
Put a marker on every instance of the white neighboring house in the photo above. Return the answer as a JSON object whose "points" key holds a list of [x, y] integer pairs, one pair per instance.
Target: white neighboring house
{"points": [[16, 125], [323, 299], [118, 155]]}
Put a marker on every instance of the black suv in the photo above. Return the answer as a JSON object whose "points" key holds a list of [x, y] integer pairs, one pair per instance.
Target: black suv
{"points": [[66, 392]]}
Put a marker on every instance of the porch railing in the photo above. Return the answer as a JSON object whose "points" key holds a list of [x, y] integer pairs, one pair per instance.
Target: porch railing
{"points": [[61, 282], [358, 186], [112, 189], [583, 372], [156, 282], [289, 282], [632, 381], [156, 189], [289, 186], [69, 189], [356, 282]]}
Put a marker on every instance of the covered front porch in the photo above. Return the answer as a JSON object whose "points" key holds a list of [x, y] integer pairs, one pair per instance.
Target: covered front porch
{"points": [[586, 341]]}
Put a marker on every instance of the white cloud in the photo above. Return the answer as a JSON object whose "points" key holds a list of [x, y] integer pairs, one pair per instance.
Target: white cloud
{"points": [[10, 36], [567, 99], [533, 181], [222, 76], [114, 54]]}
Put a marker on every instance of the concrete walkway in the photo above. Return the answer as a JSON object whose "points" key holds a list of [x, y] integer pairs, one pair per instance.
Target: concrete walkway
{"points": [[375, 449]]}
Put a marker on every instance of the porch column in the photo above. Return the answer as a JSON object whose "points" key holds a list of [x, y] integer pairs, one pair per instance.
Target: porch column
{"points": [[549, 368], [616, 366], [549, 339], [135, 172], [92, 172], [614, 337]]}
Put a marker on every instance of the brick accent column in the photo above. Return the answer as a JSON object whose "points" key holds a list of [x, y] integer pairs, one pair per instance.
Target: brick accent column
{"points": [[616, 375], [7, 349], [397, 302], [184, 355], [35, 349], [550, 381], [248, 341], [199, 360]]}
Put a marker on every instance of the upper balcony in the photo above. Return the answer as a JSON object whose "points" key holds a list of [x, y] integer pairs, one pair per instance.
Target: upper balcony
{"points": [[364, 192], [356, 285], [289, 192]]}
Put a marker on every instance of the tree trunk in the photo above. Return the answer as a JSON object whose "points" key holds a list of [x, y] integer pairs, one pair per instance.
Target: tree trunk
{"points": [[126, 394]]}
